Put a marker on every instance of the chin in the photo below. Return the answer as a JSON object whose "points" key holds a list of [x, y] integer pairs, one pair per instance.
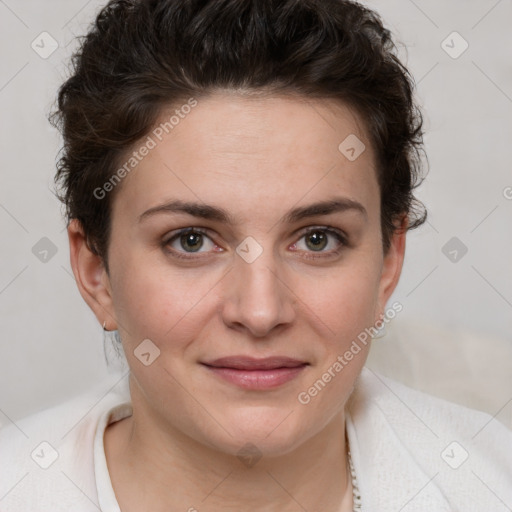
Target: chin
{"points": [[268, 433]]}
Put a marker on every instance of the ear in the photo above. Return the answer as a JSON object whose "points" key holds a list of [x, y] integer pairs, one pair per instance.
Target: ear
{"points": [[392, 267], [91, 277]]}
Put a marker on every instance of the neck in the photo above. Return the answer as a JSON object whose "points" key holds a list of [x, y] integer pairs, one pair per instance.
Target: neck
{"points": [[148, 461]]}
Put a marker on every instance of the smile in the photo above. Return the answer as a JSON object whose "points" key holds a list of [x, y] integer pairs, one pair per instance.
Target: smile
{"points": [[256, 374]]}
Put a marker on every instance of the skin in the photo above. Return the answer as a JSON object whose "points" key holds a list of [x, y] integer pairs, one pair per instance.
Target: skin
{"points": [[257, 158]]}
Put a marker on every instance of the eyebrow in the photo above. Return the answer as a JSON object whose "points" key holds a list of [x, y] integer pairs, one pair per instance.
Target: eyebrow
{"points": [[204, 211]]}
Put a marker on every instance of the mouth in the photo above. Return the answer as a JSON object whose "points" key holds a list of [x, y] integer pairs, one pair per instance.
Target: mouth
{"points": [[256, 374]]}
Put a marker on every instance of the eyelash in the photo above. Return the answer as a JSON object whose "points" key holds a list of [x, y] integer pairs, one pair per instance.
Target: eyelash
{"points": [[339, 235]]}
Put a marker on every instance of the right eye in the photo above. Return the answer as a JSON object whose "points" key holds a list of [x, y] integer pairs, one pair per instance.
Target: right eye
{"points": [[188, 241]]}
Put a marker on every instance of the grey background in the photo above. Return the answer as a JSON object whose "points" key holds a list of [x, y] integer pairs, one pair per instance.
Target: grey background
{"points": [[51, 344]]}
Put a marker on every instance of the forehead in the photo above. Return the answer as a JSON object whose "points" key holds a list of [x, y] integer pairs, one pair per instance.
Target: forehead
{"points": [[230, 149]]}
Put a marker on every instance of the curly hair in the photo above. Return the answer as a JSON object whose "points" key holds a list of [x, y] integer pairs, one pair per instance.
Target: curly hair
{"points": [[141, 56]]}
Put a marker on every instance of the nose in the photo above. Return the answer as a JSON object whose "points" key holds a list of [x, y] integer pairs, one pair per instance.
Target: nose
{"points": [[258, 299]]}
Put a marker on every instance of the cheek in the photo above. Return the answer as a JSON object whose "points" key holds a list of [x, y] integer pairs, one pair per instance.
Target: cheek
{"points": [[346, 304], [160, 303], [344, 301]]}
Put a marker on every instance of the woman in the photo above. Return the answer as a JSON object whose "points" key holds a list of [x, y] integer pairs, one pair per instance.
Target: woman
{"points": [[239, 183]]}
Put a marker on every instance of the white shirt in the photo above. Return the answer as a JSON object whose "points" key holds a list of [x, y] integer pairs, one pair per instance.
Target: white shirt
{"points": [[411, 451]]}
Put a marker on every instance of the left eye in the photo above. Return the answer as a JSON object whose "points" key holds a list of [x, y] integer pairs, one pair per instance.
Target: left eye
{"points": [[317, 239]]}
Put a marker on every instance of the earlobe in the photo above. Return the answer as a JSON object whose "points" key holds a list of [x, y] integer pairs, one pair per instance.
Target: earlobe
{"points": [[91, 276], [392, 267]]}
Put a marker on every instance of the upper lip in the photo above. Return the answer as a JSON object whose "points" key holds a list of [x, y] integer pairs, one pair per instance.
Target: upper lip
{"points": [[252, 363]]}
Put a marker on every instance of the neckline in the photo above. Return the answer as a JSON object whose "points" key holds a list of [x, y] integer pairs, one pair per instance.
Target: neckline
{"points": [[107, 500], [106, 496]]}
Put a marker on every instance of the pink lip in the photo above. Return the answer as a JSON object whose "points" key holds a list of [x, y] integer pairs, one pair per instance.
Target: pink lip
{"points": [[251, 373], [252, 363]]}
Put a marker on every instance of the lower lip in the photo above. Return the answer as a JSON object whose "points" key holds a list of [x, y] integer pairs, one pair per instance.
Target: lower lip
{"points": [[257, 379]]}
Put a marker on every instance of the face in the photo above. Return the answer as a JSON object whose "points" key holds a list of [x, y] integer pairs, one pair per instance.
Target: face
{"points": [[217, 251]]}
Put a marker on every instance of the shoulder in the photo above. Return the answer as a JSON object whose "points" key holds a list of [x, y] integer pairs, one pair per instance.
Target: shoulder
{"points": [[466, 452], [373, 386], [51, 452], [404, 406]]}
